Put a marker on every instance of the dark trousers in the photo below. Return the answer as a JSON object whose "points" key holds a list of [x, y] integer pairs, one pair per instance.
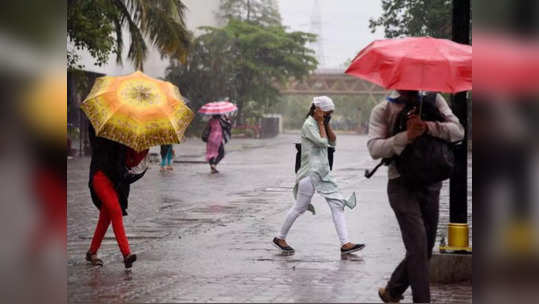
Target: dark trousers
{"points": [[216, 160], [416, 209]]}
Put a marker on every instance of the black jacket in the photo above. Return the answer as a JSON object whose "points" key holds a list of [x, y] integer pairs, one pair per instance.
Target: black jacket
{"points": [[110, 158]]}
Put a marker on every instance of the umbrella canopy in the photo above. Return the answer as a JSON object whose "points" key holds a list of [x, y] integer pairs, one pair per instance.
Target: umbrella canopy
{"points": [[217, 108], [506, 65], [137, 111], [418, 63]]}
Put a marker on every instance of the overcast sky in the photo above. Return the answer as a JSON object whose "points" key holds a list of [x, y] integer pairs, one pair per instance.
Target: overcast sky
{"points": [[345, 25]]}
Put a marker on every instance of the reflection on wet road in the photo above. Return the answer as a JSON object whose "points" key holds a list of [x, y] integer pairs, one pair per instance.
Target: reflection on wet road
{"points": [[207, 238]]}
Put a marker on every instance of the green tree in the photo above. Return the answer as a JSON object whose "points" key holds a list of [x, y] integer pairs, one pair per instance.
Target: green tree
{"points": [[351, 112], [255, 11], [243, 61], [96, 25], [414, 18]]}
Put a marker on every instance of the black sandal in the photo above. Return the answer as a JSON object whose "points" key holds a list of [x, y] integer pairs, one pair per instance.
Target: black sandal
{"points": [[386, 297], [129, 260], [93, 259], [286, 249], [356, 247]]}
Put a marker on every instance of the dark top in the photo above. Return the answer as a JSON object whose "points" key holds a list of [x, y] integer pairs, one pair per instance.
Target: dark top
{"points": [[165, 149], [111, 158]]}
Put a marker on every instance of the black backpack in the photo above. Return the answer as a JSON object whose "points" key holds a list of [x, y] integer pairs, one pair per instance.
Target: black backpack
{"points": [[427, 159]]}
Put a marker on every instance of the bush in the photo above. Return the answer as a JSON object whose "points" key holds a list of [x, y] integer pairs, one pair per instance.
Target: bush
{"points": [[250, 133]]}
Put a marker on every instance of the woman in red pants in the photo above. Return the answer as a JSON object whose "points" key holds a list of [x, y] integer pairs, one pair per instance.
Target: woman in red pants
{"points": [[109, 187]]}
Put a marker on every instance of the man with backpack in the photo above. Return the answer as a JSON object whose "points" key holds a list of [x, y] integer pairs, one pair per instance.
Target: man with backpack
{"points": [[401, 128]]}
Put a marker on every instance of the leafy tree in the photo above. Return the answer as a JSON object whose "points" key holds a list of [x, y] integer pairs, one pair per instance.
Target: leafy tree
{"points": [[243, 61], [256, 11], [96, 25], [351, 112], [414, 18]]}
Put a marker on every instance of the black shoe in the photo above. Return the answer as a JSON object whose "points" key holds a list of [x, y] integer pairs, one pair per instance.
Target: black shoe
{"points": [[356, 247], [287, 249], [93, 259], [384, 295], [129, 260]]}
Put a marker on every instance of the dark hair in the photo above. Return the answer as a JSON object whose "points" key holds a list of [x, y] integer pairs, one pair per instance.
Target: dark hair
{"points": [[409, 95], [311, 111]]}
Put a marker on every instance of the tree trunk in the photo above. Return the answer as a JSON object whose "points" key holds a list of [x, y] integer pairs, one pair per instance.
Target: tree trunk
{"points": [[248, 10]]}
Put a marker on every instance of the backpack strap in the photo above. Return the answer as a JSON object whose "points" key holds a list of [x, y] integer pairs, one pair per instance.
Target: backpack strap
{"points": [[384, 161], [386, 117]]}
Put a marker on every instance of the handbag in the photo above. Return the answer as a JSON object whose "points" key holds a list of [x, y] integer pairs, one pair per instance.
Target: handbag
{"points": [[205, 134]]}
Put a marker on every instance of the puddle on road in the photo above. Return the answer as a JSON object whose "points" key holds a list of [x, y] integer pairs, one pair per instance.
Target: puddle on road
{"points": [[137, 235], [169, 202], [352, 258], [352, 169], [200, 220], [175, 221], [276, 189], [214, 209], [189, 156], [166, 206], [296, 260]]}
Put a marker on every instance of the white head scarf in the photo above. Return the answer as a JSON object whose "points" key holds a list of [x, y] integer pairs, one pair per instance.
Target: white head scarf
{"points": [[324, 103]]}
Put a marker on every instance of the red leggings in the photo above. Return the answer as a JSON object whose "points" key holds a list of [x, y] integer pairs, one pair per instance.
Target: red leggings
{"points": [[110, 212]]}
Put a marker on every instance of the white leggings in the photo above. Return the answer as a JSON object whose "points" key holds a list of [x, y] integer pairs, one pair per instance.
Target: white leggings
{"points": [[305, 195]]}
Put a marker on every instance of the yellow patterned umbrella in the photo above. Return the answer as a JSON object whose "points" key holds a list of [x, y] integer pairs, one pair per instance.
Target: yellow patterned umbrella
{"points": [[137, 110]]}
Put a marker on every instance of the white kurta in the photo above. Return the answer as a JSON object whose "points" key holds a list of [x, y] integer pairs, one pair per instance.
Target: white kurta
{"points": [[314, 163]]}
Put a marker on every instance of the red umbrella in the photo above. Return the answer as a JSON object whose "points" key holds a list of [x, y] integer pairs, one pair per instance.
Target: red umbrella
{"points": [[217, 108], [506, 65], [419, 63]]}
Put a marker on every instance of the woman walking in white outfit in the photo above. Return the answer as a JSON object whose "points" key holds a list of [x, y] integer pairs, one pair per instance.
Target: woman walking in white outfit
{"points": [[314, 175]]}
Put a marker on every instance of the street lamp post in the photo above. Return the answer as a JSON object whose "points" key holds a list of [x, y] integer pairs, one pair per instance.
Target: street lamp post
{"points": [[458, 230]]}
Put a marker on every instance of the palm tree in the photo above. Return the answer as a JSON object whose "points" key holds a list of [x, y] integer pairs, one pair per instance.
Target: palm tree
{"points": [[159, 21], [162, 21]]}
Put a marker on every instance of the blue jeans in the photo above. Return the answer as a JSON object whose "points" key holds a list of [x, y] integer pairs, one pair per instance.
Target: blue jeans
{"points": [[167, 158]]}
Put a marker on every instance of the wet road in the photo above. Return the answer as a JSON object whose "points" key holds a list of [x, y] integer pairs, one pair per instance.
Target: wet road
{"points": [[207, 238]]}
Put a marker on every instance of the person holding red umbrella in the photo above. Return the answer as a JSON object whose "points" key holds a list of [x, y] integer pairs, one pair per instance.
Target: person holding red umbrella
{"points": [[399, 125], [416, 207]]}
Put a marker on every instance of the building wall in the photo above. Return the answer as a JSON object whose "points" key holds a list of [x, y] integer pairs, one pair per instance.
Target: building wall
{"points": [[198, 13]]}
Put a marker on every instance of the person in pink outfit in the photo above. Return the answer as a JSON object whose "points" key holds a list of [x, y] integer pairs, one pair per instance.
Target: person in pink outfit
{"points": [[218, 136]]}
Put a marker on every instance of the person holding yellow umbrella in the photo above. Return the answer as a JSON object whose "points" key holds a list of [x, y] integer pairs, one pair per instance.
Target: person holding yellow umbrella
{"points": [[128, 114]]}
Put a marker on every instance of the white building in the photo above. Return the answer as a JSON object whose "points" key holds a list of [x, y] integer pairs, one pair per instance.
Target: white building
{"points": [[198, 13]]}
